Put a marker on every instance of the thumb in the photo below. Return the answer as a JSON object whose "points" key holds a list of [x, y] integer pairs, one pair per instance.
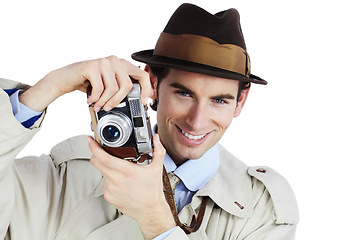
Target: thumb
{"points": [[158, 152]]}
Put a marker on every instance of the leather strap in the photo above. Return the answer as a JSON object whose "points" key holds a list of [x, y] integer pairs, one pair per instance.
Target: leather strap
{"points": [[195, 222], [121, 152]]}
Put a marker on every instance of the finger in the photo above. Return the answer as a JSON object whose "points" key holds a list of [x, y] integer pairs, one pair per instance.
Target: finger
{"points": [[111, 87], [104, 161], [97, 87], [159, 151], [104, 83], [85, 87], [146, 89], [96, 153], [143, 78], [126, 85], [100, 159]]}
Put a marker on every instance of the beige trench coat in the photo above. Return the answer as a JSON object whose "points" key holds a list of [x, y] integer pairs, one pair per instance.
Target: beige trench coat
{"points": [[60, 196]]}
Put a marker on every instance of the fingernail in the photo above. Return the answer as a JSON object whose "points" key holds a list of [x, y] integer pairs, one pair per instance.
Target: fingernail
{"points": [[107, 109], [97, 109], [89, 139]]}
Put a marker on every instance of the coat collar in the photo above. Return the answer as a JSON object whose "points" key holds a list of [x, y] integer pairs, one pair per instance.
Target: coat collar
{"points": [[230, 188]]}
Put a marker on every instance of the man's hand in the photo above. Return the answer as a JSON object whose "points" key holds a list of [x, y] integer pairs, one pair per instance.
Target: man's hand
{"points": [[136, 190], [109, 78]]}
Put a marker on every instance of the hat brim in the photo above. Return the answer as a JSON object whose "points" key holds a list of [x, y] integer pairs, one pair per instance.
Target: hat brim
{"points": [[160, 61]]}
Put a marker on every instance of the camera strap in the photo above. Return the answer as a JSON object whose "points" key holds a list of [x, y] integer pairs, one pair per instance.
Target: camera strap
{"points": [[196, 221]]}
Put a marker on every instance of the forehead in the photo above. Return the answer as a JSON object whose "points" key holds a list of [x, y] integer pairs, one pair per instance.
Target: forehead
{"points": [[202, 83]]}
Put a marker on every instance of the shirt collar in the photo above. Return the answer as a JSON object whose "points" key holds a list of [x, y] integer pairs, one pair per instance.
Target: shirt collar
{"points": [[203, 168]]}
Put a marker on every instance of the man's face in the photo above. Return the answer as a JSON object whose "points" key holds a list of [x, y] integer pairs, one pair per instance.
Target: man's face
{"points": [[194, 111]]}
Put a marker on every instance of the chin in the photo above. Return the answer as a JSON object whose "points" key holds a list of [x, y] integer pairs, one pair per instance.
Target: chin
{"points": [[193, 153]]}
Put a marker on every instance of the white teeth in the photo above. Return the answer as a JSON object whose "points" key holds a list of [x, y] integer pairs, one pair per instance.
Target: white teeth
{"points": [[192, 137]]}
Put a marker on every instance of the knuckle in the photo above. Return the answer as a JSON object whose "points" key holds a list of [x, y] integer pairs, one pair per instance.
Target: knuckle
{"points": [[107, 195], [93, 160], [162, 152], [127, 85], [113, 57], [123, 61], [103, 160], [98, 89], [112, 90], [93, 64], [113, 60], [144, 75], [117, 184], [105, 62]]}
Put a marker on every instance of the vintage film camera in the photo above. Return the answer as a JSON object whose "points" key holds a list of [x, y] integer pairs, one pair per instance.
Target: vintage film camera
{"points": [[125, 131]]}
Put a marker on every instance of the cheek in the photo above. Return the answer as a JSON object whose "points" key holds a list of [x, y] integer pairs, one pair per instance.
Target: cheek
{"points": [[222, 118], [224, 122]]}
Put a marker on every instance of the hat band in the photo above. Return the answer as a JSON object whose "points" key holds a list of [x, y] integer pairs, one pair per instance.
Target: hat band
{"points": [[203, 50]]}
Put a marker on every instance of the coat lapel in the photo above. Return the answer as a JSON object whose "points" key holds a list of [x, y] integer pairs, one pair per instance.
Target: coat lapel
{"points": [[230, 188]]}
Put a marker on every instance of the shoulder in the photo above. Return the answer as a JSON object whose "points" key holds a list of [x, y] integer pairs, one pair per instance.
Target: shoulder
{"points": [[73, 155], [281, 193], [70, 150], [74, 148], [265, 178]]}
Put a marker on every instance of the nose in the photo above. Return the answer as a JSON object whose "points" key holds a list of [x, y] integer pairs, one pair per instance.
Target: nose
{"points": [[197, 117]]}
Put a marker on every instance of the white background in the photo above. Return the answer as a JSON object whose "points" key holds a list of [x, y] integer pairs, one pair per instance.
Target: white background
{"points": [[304, 123]]}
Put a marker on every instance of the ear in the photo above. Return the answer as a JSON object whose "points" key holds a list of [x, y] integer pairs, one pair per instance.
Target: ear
{"points": [[240, 104], [153, 80]]}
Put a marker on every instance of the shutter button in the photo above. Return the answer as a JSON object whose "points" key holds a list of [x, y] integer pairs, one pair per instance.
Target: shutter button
{"points": [[261, 170]]}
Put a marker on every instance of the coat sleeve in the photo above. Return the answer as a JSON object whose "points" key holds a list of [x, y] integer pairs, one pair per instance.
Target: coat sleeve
{"points": [[283, 224], [13, 138]]}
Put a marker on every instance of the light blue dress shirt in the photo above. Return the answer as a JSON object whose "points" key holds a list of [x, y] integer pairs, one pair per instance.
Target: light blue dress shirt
{"points": [[203, 168], [21, 112]]}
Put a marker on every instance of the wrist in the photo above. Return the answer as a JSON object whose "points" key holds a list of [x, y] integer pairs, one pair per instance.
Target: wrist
{"points": [[160, 221], [39, 96]]}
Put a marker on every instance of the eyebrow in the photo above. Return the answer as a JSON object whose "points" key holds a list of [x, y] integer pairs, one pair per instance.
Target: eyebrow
{"points": [[182, 87], [185, 89], [223, 96]]}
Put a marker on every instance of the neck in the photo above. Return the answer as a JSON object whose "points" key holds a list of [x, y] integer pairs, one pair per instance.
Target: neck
{"points": [[178, 161]]}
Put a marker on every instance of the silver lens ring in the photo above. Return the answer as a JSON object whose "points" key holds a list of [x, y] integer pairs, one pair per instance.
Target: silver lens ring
{"points": [[117, 122]]}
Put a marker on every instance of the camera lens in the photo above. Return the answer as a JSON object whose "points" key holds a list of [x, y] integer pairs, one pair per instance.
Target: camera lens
{"points": [[114, 129], [111, 133]]}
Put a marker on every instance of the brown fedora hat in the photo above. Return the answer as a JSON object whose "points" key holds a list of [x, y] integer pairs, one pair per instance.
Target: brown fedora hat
{"points": [[195, 40]]}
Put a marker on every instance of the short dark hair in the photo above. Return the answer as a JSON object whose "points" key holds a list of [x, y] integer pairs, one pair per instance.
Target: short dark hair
{"points": [[161, 72]]}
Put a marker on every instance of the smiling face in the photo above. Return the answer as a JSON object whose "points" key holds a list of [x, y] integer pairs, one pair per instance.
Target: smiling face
{"points": [[194, 111]]}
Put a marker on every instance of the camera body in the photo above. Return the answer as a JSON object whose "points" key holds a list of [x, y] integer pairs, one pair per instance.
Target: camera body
{"points": [[124, 131]]}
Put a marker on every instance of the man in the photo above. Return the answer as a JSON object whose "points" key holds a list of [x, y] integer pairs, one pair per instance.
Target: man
{"points": [[199, 77]]}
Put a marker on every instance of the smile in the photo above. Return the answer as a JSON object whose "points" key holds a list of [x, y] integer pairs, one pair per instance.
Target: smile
{"points": [[192, 137]]}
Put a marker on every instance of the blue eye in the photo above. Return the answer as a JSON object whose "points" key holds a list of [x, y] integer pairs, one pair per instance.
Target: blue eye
{"points": [[182, 93], [220, 101]]}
